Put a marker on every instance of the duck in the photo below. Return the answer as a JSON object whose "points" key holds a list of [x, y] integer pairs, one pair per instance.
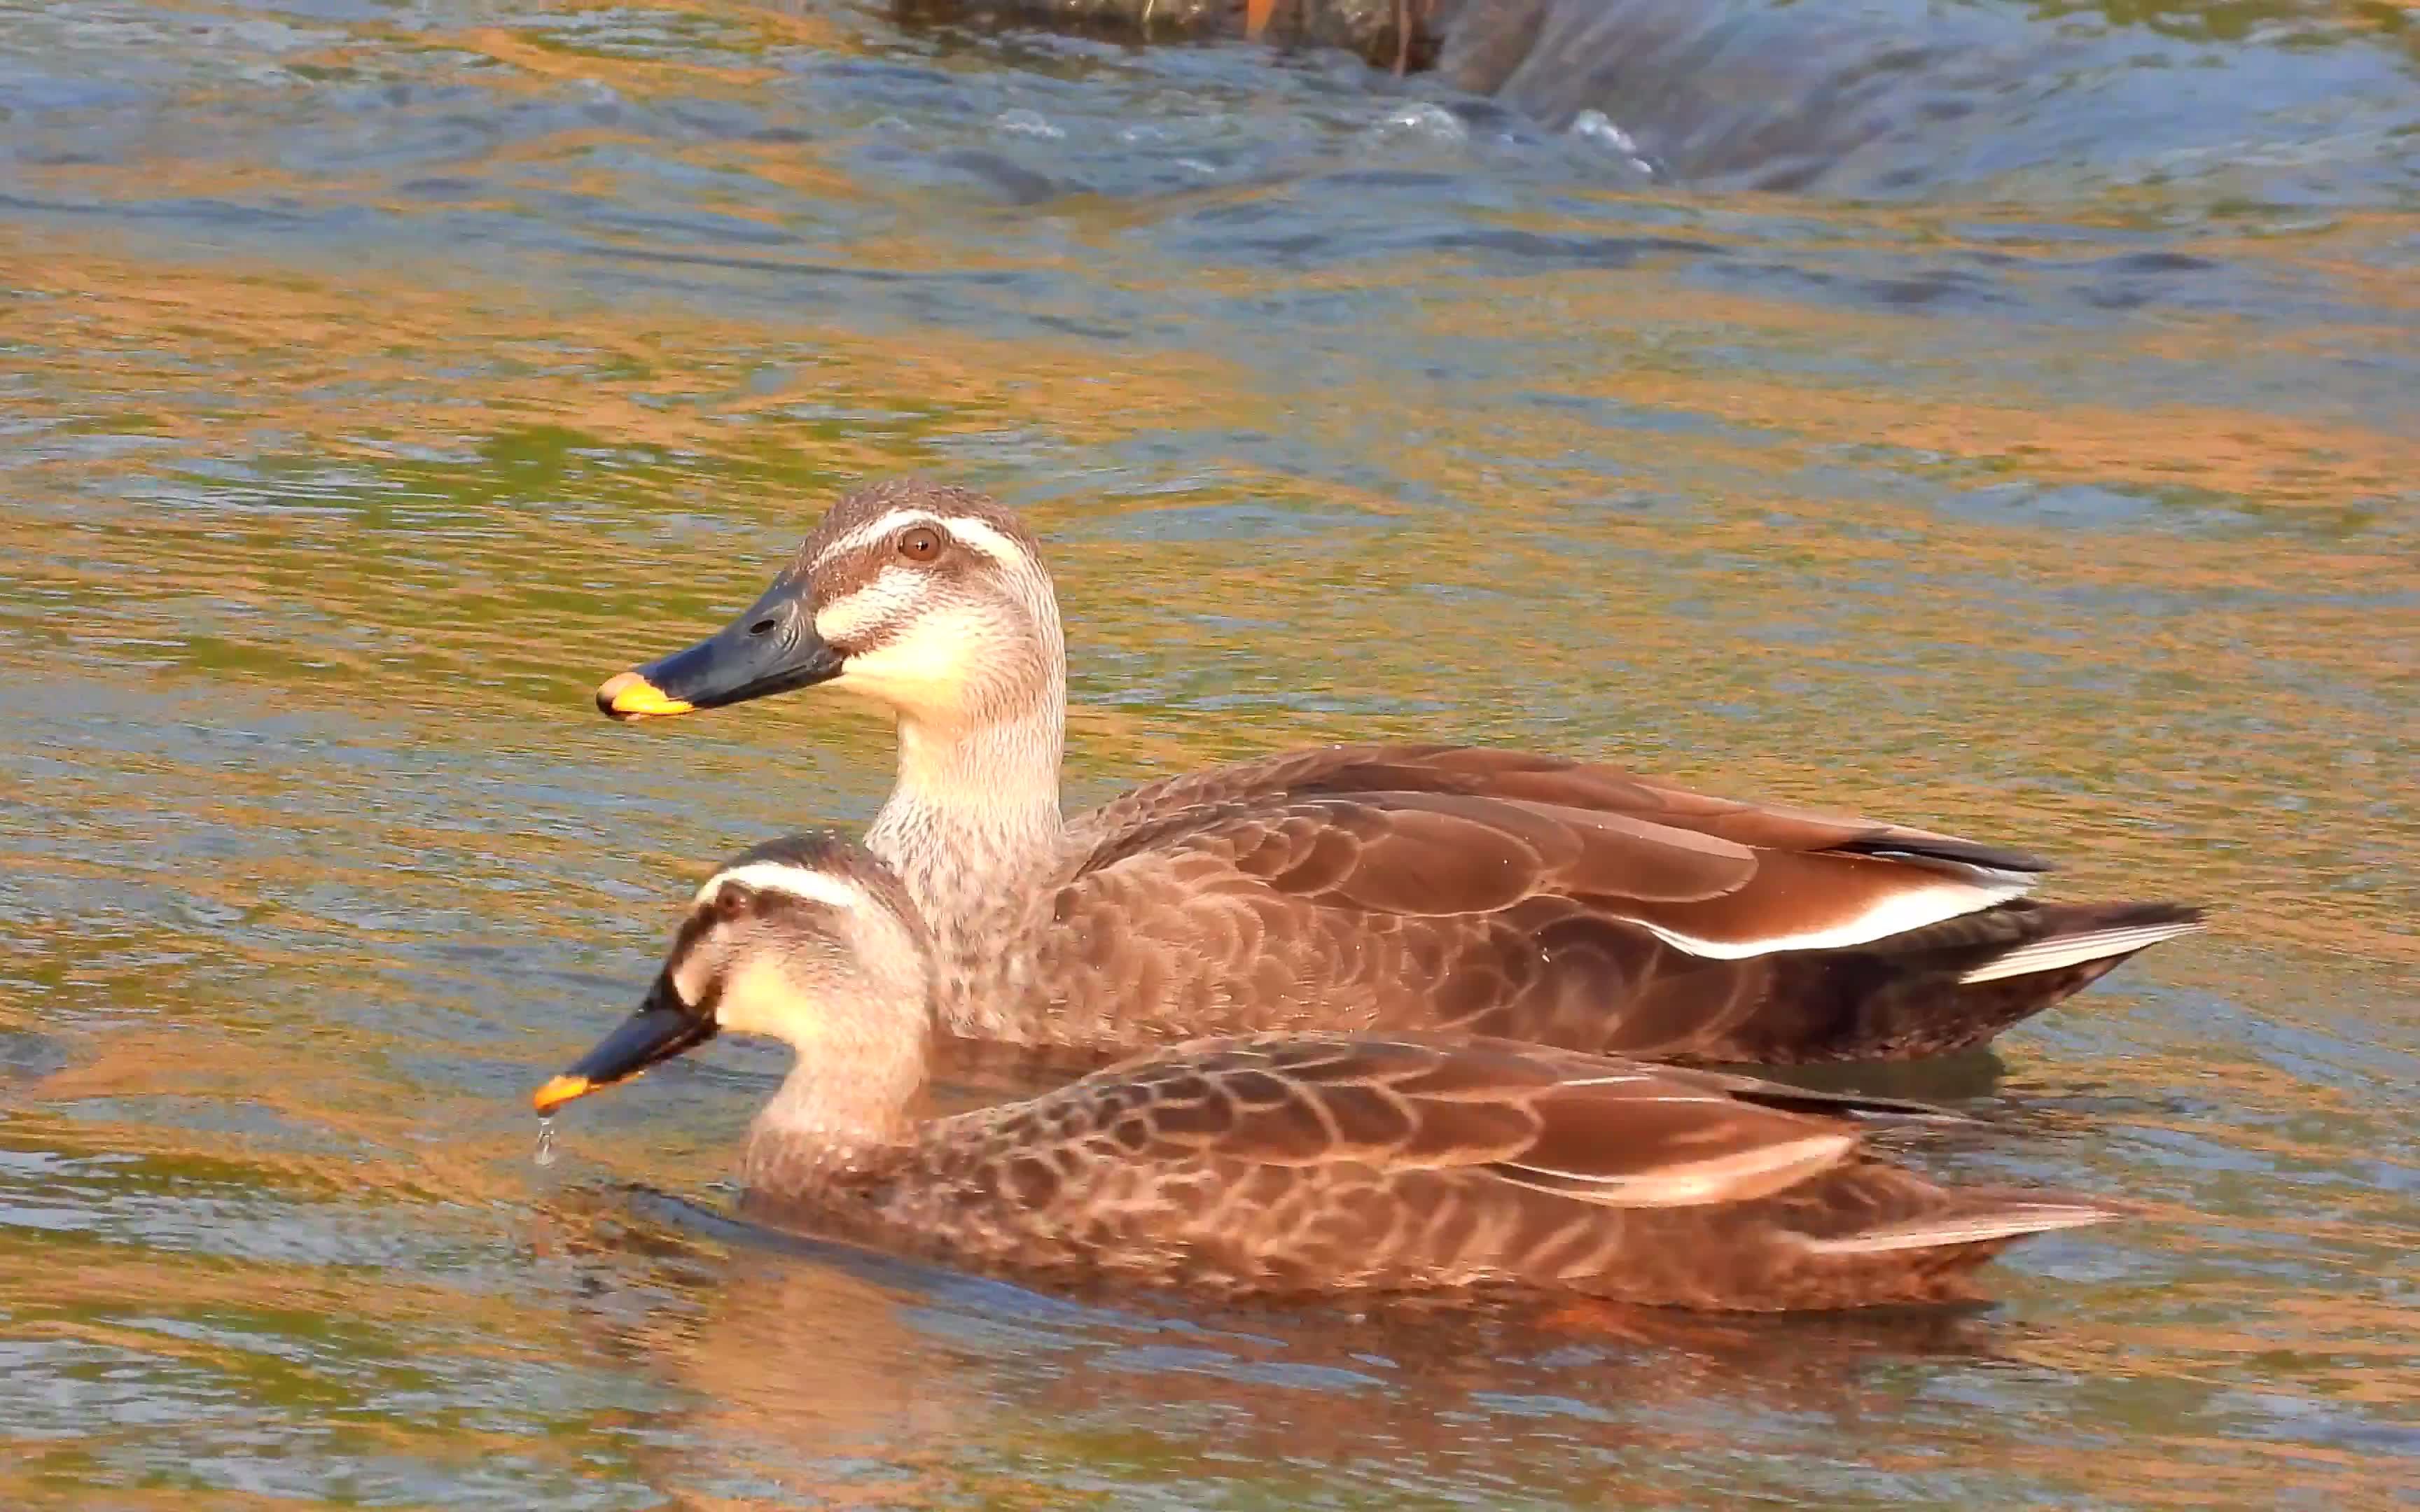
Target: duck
{"points": [[1432, 1169], [1365, 887]]}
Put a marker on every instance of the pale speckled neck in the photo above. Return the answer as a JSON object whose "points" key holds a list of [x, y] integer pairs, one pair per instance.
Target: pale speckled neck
{"points": [[973, 829], [829, 1114], [995, 780]]}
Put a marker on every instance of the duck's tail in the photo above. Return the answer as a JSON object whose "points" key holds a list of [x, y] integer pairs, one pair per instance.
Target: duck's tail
{"points": [[1956, 985], [2085, 934], [1995, 1222]]}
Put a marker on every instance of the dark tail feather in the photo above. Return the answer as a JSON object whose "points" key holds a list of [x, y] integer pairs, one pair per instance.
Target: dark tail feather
{"points": [[1957, 984]]}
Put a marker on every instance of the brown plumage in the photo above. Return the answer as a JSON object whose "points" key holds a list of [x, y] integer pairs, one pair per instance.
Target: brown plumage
{"points": [[1284, 1166], [1388, 887]]}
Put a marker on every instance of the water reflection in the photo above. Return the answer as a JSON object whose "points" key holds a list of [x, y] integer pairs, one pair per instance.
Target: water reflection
{"points": [[819, 1355], [378, 377]]}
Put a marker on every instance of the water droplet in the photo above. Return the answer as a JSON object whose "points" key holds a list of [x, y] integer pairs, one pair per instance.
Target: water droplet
{"points": [[545, 1152]]}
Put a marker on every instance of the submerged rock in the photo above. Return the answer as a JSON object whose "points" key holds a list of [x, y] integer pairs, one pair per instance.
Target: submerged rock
{"points": [[1710, 86], [1376, 29], [1862, 96]]}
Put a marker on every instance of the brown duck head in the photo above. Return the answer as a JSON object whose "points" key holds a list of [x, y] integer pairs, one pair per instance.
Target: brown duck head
{"points": [[806, 939], [930, 600]]}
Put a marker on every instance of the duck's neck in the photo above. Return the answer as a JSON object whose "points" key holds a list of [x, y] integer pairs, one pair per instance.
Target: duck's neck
{"points": [[838, 1107], [973, 828], [994, 781]]}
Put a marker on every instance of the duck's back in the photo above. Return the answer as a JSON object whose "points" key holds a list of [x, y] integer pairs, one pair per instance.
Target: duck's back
{"points": [[1505, 893], [1240, 1229], [1327, 1166]]}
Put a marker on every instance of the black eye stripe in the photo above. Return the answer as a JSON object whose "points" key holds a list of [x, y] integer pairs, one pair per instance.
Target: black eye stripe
{"points": [[685, 939]]}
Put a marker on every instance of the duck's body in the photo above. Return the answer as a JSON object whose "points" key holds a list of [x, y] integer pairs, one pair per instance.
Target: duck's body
{"points": [[1403, 887], [1343, 1179], [1290, 1165], [1361, 888]]}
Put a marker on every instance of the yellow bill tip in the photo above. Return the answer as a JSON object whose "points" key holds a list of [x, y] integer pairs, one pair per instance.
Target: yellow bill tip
{"points": [[630, 696], [559, 1092]]}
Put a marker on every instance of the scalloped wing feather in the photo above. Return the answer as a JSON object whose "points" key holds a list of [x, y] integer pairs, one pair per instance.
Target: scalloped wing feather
{"points": [[1610, 1132], [1505, 893]]}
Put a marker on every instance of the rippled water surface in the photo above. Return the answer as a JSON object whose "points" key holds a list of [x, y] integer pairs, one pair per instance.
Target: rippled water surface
{"points": [[378, 374]]}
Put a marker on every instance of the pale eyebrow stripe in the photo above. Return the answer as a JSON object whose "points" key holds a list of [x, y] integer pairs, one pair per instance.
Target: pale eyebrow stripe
{"points": [[868, 534], [780, 876], [995, 544], [973, 534]]}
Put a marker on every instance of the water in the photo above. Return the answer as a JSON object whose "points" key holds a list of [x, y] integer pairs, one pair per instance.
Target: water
{"points": [[378, 376]]}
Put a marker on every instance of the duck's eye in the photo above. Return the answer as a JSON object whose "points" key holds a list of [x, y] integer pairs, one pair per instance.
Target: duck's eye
{"points": [[734, 899], [920, 543]]}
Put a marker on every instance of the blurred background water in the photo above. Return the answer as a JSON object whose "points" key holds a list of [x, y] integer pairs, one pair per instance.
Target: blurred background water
{"points": [[1994, 416]]}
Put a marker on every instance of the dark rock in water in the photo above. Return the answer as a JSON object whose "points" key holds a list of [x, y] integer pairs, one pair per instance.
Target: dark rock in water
{"points": [[1767, 89], [1147, 18], [1399, 34], [1716, 88], [1371, 28], [1888, 97]]}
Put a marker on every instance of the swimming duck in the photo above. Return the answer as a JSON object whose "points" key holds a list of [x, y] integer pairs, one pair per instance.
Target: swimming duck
{"points": [[1280, 1165], [1349, 887]]}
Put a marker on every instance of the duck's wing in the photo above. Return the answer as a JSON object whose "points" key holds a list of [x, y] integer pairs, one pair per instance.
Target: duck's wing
{"points": [[1437, 854], [1526, 920], [1405, 888], [1555, 782], [1602, 1130], [1328, 1162]]}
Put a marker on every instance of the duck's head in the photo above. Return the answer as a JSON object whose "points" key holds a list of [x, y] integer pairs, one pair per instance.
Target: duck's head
{"points": [[932, 601], [808, 939]]}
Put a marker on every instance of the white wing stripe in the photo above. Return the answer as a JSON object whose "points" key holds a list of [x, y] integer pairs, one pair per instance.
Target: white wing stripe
{"points": [[1895, 913], [1747, 1174]]}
